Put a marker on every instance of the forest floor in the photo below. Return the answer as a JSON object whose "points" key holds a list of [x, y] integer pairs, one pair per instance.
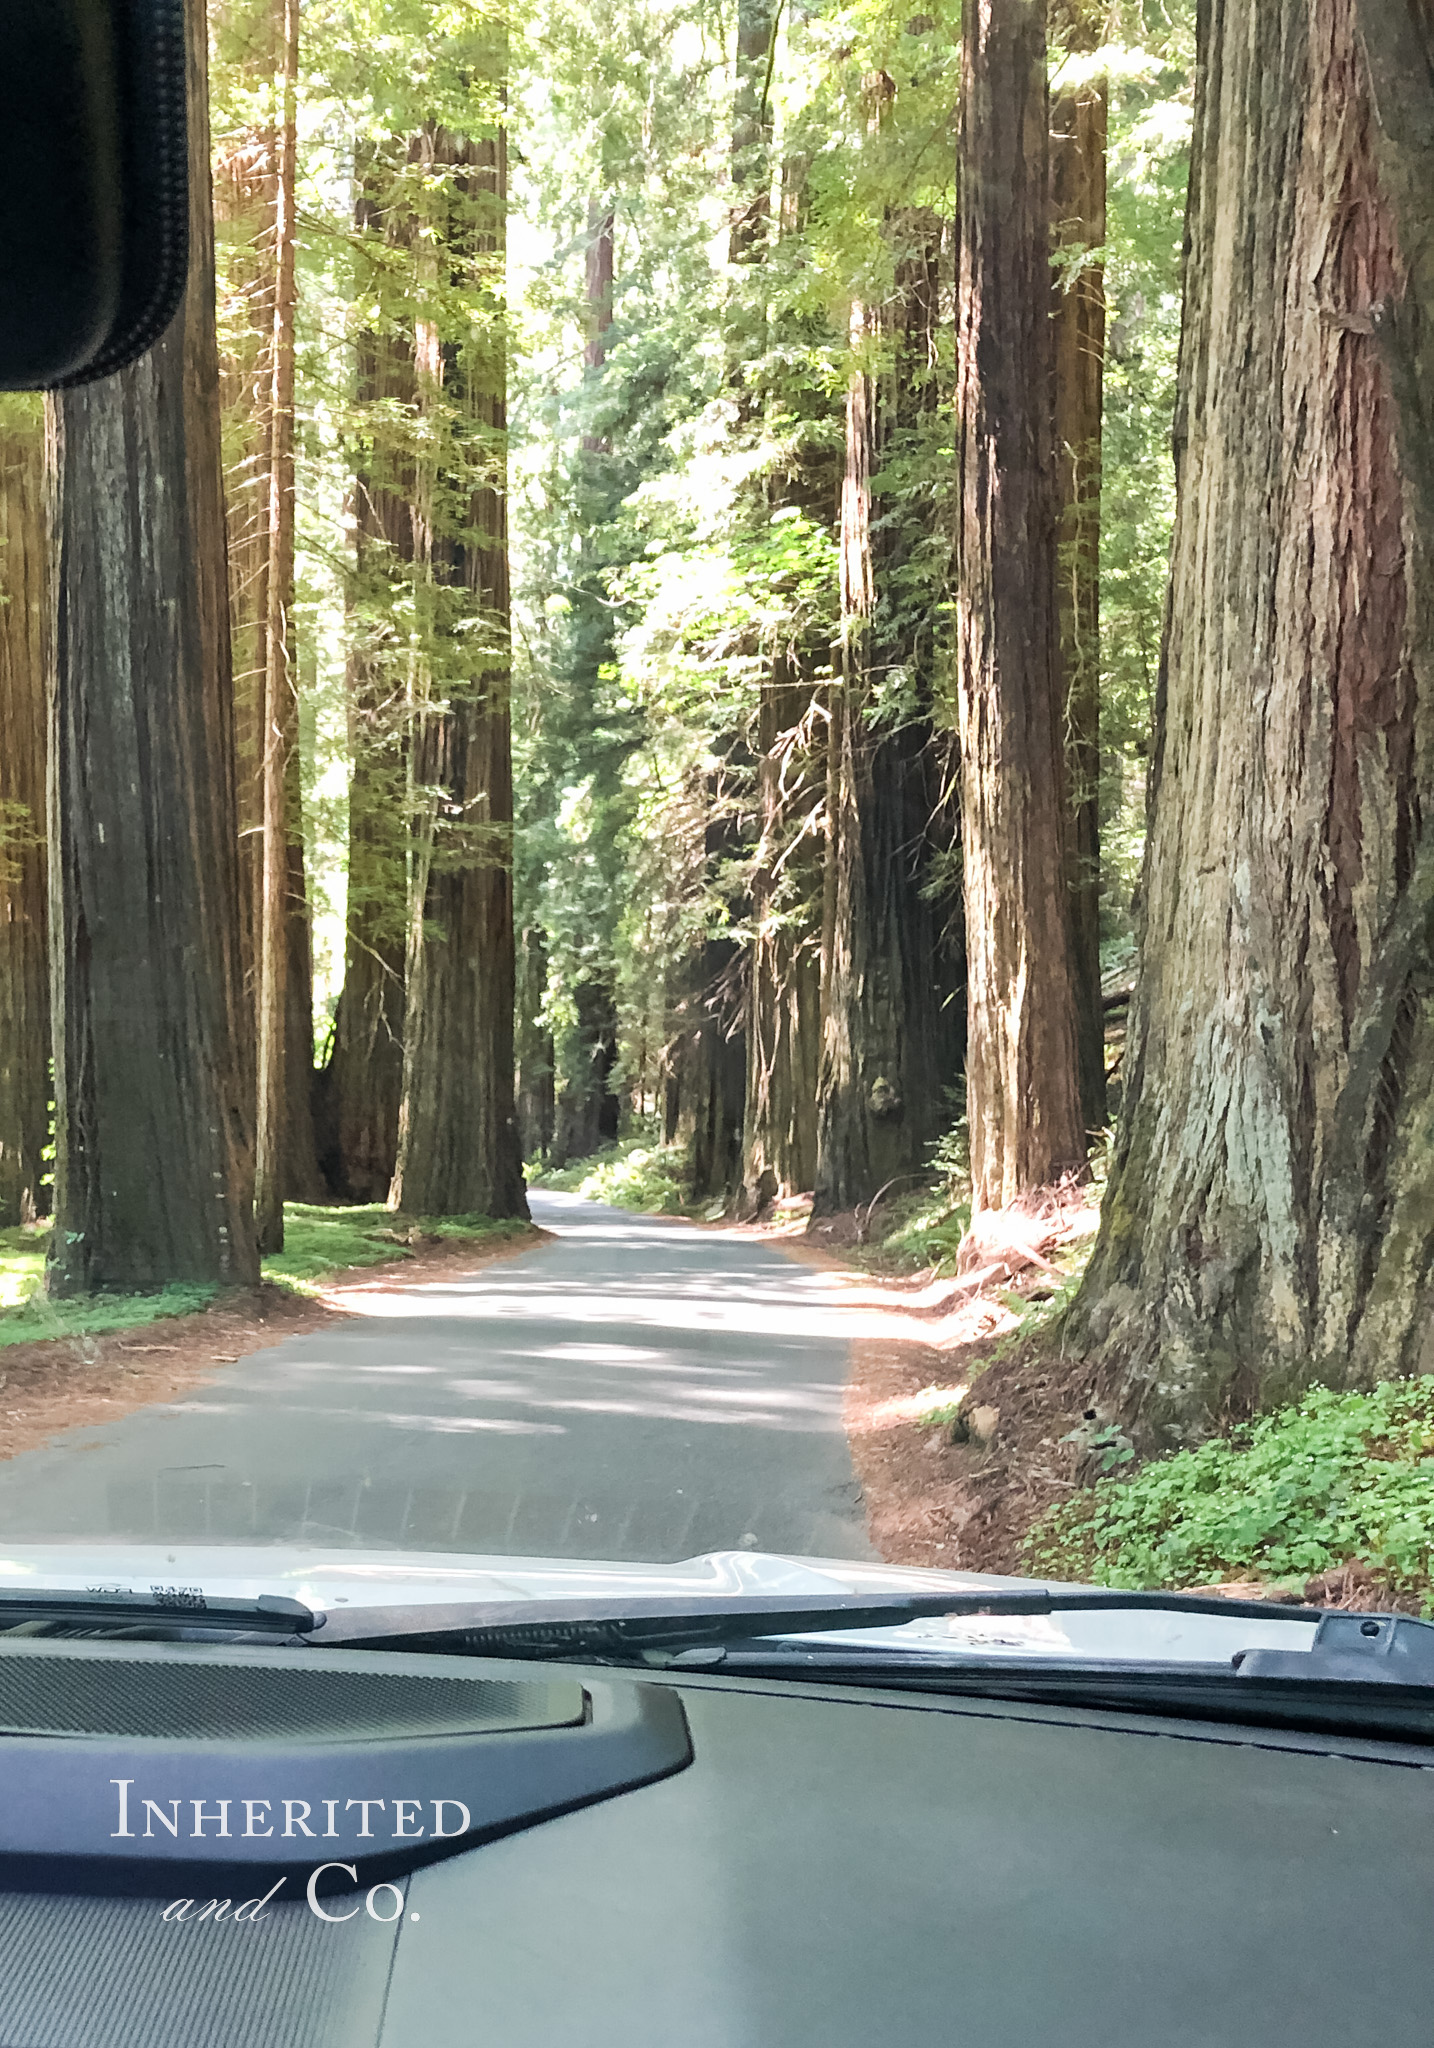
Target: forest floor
{"points": [[931, 1499], [332, 1269]]}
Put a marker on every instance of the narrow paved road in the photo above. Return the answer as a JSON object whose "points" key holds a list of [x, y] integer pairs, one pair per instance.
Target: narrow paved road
{"points": [[638, 1391]]}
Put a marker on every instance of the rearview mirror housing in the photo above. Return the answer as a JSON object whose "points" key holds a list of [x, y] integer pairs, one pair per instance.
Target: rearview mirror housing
{"points": [[94, 185]]}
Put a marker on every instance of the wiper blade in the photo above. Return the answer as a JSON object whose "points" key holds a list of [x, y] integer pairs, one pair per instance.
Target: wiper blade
{"points": [[163, 1606], [588, 1626]]}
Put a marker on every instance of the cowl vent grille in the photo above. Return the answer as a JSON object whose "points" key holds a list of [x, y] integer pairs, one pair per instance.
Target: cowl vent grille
{"points": [[289, 1696]]}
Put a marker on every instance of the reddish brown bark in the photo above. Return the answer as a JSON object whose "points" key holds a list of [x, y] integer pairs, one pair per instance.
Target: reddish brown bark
{"points": [[1023, 1097], [1270, 1218], [280, 702], [458, 1130], [153, 1139], [1078, 176], [362, 1085], [24, 962]]}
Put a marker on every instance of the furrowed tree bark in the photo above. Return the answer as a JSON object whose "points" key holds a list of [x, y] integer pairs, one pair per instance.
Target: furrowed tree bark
{"points": [[362, 1086], [458, 1132], [24, 961], [1270, 1217], [1078, 170], [586, 1111], [245, 206], [1023, 1094], [880, 1095], [280, 708], [784, 971], [712, 1011], [153, 1140]]}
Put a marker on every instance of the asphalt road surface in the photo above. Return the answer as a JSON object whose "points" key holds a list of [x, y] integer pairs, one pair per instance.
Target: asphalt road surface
{"points": [[638, 1390]]}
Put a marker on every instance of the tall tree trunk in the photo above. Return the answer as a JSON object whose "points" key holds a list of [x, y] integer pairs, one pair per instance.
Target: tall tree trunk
{"points": [[586, 1108], [245, 204], [24, 963], [712, 1009], [1022, 1082], [280, 704], [1078, 151], [458, 1132], [153, 1141], [880, 1100], [784, 970], [1270, 1218], [362, 1086], [536, 1107]]}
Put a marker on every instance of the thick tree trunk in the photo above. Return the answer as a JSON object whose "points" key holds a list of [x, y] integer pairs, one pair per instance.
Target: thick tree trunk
{"points": [[784, 968], [458, 1131], [1270, 1218], [1023, 1095], [362, 1086], [880, 1097], [536, 1106], [153, 1141], [586, 1111], [285, 1162], [1078, 151], [24, 961], [245, 203]]}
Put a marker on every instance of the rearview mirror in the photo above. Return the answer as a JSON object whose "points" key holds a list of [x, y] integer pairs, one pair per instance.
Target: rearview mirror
{"points": [[94, 205]]}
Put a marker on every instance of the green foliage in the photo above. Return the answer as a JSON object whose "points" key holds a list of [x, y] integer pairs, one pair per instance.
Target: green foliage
{"points": [[320, 1241], [26, 1317], [636, 1174], [1335, 1478]]}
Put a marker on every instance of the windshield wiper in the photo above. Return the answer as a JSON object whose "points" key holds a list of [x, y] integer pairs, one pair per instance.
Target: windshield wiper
{"points": [[1363, 1674], [605, 1627], [184, 1607]]}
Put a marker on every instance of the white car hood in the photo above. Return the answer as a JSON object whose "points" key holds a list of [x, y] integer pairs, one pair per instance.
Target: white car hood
{"points": [[324, 1579]]}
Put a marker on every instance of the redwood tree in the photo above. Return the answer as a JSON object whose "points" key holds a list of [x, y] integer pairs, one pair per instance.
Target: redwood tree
{"points": [[24, 965], [1270, 1218], [1078, 166], [458, 1133], [153, 1139], [362, 1085], [1023, 1096], [886, 1051]]}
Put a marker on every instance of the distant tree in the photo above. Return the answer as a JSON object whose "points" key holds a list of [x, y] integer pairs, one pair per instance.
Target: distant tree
{"points": [[24, 961], [153, 1130], [1270, 1215], [280, 727], [458, 1132], [887, 1050], [1079, 119], [363, 1083], [1023, 1095]]}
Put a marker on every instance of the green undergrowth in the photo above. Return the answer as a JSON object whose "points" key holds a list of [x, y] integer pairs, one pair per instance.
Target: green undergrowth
{"points": [[919, 1230], [1331, 1480], [635, 1173], [319, 1241]]}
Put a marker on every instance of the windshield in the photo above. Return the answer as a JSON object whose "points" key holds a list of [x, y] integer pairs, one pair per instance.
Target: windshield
{"points": [[711, 836]]}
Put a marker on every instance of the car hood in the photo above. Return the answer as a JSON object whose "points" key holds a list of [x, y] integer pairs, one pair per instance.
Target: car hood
{"points": [[354, 1579]]}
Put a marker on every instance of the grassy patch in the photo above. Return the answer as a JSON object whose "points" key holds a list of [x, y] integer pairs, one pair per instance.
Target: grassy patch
{"points": [[635, 1173], [1331, 1480], [318, 1242]]}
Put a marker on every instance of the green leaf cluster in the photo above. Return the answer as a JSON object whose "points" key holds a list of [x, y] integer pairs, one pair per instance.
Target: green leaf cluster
{"points": [[1336, 1478]]}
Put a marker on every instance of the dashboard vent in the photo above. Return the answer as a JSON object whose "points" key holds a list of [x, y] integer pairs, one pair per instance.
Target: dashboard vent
{"points": [[200, 1693]]}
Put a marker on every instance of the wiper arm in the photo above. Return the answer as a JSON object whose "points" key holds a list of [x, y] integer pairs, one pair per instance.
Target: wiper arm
{"points": [[162, 1606], [604, 1627]]}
